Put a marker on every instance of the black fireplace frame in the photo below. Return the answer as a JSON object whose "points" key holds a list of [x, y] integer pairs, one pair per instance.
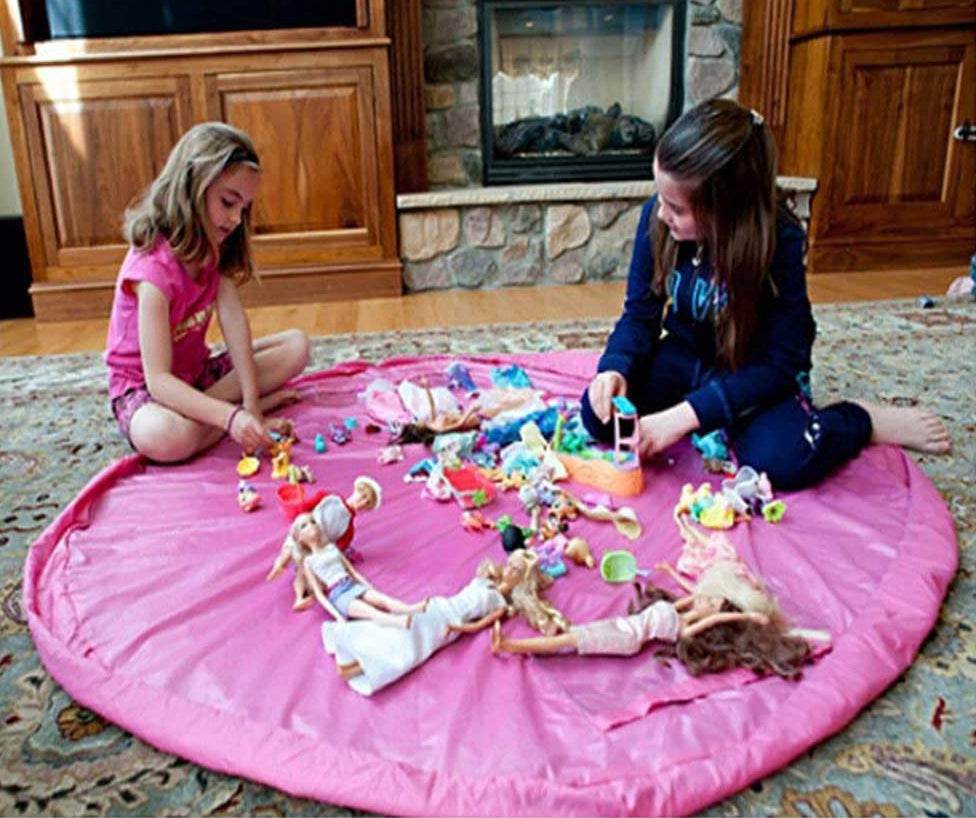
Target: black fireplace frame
{"points": [[499, 171]]}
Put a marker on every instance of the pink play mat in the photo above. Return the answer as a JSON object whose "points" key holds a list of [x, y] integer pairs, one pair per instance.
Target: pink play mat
{"points": [[147, 601]]}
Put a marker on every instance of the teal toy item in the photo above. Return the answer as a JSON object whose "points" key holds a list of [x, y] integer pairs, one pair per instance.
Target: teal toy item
{"points": [[620, 566]]}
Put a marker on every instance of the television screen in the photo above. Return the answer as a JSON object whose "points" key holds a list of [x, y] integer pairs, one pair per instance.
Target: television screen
{"points": [[111, 18]]}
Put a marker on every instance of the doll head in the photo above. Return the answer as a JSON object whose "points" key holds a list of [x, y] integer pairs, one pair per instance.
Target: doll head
{"points": [[721, 580], [366, 494], [763, 648], [306, 533], [521, 582]]}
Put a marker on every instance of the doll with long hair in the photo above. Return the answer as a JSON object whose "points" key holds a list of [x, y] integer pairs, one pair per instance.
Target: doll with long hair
{"points": [[369, 656], [335, 583], [724, 623]]}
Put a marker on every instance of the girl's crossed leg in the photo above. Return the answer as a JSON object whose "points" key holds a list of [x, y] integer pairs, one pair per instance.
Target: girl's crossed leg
{"points": [[166, 436]]}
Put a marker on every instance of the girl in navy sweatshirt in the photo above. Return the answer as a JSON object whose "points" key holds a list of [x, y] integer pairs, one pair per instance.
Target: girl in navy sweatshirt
{"points": [[717, 328]]}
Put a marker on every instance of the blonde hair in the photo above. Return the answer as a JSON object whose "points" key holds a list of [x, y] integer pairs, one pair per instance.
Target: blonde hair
{"points": [[726, 155], [372, 487], [174, 206]]}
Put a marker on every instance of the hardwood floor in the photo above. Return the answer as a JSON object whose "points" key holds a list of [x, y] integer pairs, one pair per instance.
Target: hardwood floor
{"points": [[450, 308]]}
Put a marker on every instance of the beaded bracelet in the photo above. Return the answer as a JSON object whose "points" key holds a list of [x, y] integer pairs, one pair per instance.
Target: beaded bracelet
{"points": [[230, 420]]}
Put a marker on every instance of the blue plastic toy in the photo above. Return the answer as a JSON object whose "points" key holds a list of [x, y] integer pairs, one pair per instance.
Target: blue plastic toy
{"points": [[319, 444]]}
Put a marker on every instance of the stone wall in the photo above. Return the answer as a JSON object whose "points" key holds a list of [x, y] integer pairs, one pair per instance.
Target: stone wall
{"points": [[539, 234], [452, 64]]}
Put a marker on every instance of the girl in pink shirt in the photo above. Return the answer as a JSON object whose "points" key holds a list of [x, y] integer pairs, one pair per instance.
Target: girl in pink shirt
{"points": [[190, 248]]}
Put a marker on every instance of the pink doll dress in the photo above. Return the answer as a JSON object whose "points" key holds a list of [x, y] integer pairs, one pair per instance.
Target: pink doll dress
{"points": [[625, 635], [385, 653]]}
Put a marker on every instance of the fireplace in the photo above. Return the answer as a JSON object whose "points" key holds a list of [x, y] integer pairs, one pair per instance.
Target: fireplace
{"points": [[578, 90]]}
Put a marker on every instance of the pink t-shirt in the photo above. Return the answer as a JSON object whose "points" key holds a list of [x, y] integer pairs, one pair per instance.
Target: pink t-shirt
{"points": [[191, 305]]}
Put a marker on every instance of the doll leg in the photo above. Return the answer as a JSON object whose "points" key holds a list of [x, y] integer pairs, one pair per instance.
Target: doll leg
{"points": [[533, 644], [361, 609], [379, 599], [303, 599]]}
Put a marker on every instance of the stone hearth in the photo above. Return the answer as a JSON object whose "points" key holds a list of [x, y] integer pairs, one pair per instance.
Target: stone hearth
{"points": [[532, 234]]}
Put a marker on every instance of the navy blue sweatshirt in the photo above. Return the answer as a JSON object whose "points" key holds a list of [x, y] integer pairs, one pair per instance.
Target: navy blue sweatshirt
{"points": [[780, 348]]}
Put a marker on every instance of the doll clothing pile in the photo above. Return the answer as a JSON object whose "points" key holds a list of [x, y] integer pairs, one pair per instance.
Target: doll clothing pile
{"points": [[164, 624]]}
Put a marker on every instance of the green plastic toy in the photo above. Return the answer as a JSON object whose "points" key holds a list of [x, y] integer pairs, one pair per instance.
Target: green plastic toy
{"points": [[620, 566]]}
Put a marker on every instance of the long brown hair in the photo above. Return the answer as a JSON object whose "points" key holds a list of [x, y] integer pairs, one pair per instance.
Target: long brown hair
{"points": [[174, 206], [727, 156]]}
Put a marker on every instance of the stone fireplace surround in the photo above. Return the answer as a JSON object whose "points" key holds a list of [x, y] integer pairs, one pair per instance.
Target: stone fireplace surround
{"points": [[464, 235]]}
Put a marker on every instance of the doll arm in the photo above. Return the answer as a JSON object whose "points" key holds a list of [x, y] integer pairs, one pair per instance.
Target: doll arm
{"points": [[316, 586], [284, 556], [354, 573], [480, 624], [667, 568], [720, 618]]}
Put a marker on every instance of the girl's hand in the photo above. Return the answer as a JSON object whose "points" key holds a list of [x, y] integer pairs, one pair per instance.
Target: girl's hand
{"points": [[603, 389], [660, 429], [248, 431]]}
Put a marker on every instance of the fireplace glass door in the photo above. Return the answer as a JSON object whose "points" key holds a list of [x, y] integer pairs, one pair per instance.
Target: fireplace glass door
{"points": [[578, 91]]}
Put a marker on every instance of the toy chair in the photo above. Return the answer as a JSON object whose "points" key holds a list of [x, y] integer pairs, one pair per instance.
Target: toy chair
{"points": [[625, 410]]}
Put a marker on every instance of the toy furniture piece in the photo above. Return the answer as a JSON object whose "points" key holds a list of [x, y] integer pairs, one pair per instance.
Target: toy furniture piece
{"points": [[626, 453], [161, 655], [469, 486]]}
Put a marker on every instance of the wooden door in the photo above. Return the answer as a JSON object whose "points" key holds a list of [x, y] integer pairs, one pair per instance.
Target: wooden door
{"points": [[895, 173], [322, 132], [93, 145], [813, 16]]}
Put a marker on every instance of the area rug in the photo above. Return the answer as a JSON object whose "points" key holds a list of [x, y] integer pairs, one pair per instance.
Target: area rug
{"points": [[910, 752]]}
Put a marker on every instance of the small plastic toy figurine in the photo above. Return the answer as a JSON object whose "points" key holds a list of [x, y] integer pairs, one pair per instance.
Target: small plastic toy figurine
{"points": [[370, 656], [578, 550], [692, 624], [338, 587], [319, 444], [247, 497]]}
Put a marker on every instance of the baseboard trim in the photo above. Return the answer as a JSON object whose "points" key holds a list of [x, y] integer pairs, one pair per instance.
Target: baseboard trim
{"points": [[63, 301], [889, 255]]}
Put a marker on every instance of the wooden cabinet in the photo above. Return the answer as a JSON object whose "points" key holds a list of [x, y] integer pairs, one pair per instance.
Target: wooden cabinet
{"points": [[872, 115], [92, 124]]}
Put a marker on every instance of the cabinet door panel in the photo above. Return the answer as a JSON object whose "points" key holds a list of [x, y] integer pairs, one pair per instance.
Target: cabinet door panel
{"points": [[898, 166], [315, 131], [94, 145]]}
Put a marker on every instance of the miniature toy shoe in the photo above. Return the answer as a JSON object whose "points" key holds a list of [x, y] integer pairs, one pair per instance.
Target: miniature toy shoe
{"points": [[248, 465]]}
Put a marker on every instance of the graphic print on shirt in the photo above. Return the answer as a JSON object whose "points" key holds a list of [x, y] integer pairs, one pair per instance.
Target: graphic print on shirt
{"points": [[192, 322]]}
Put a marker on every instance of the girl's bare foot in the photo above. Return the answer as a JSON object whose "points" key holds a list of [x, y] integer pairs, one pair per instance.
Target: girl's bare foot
{"points": [[907, 426], [279, 398]]}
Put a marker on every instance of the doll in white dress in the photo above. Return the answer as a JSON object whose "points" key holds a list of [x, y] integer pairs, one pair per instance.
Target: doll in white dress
{"points": [[369, 656]]}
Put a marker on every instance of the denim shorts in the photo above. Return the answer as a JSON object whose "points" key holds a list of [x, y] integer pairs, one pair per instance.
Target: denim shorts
{"points": [[344, 592], [125, 406]]}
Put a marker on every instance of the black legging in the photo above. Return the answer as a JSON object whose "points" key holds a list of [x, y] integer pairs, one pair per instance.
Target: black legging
{"points": [[796, 445]]}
